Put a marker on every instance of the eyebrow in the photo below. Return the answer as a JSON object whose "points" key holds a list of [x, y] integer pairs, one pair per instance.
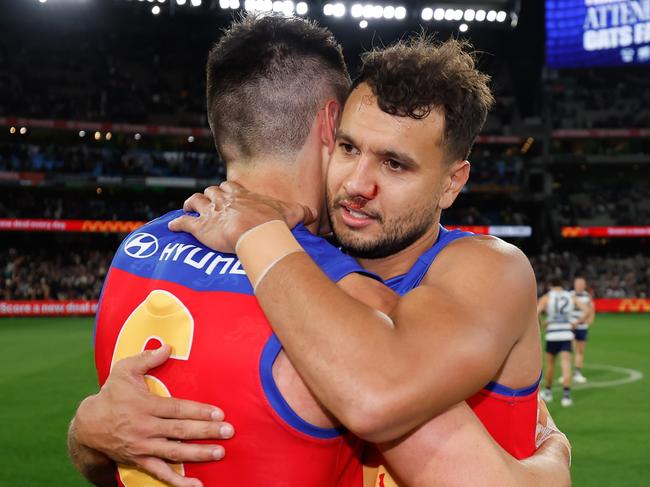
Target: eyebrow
{"points": [[388, 153]]}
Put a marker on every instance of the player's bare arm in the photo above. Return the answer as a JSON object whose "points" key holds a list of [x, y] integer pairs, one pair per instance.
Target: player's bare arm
{"points": [[125, 423], [380, 377], [430, 456]]}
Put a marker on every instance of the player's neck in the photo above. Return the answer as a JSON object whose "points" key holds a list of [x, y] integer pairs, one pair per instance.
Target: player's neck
{"points": [[402, 261], [279, 180]]}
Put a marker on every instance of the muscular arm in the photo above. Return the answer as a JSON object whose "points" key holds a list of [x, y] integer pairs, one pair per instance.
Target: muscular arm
{"points": [[96, 467], [125, 423], [455, 450], [383, 379]]}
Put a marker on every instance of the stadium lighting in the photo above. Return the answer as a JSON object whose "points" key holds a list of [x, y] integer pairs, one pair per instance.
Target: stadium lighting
{"points": [[367, 11], [98, 135], [458, 14], [224, 4], [463, 27], [181, 2], [480, 15], [363, 24], [23, 130], [278, 6], [469, 15], [449, 14], [137, 136], [501, 16], [155, 10], [302, 8], [339, 10], [439, 14], [109, 136], [190, 139], [427, 14], [195, 3], [389, 12], [12, 130], [234, 4], [289, 7], [491, 16], [400, 13], [42, 1], [357, 10], [161, 1], [378, 11], [82, 133], [328, 9]]}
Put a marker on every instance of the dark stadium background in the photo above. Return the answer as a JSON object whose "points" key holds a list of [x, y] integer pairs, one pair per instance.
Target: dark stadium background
{"points": [[102, 126]]}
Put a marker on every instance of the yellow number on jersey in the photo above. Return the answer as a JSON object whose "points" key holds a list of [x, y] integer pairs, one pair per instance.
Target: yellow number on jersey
{"points": [[164, 317]]}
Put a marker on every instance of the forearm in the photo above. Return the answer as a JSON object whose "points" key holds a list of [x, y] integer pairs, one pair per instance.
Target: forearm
{"points": [[431, 456], [96, 467], [549, 465], [374, 375]]}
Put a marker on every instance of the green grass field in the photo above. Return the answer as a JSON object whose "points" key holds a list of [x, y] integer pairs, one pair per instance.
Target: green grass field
{"points": [[46, 368]]}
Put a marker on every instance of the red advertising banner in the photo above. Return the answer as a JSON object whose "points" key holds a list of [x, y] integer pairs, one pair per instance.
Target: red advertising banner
{"points": [[48, 308], [627, 305], [119, 226], [40, 225], [605, 232]]}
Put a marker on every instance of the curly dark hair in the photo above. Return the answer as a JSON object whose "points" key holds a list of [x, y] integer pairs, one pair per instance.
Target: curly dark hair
{"points": [[267, 77], [414, 77]]}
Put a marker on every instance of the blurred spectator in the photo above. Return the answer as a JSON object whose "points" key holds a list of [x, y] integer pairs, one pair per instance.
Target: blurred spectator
{"points": [[608, 276], [52, 274], [585, 99], [114, 161]]}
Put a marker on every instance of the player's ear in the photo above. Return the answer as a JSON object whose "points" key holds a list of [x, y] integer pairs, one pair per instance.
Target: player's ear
{"points": [[457, 176], [330, 119]]}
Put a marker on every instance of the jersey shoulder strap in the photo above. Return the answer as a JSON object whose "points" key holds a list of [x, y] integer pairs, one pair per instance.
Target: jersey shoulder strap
{"points": [[406, 282]]}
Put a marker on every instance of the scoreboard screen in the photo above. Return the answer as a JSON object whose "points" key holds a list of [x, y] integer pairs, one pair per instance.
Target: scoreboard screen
{"points": [[582, 33]]}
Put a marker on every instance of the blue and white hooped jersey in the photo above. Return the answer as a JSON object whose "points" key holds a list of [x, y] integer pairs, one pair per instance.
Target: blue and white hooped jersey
{"points": [[559, 313], [583, 298]]}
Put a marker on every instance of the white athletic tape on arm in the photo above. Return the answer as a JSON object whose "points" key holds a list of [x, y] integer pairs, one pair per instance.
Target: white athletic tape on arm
{"points": [[544, 432], [262, 247]]}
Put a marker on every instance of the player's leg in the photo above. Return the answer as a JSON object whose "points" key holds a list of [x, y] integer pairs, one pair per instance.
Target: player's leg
{"points": [[580, 344], [549, 366], [565, 363]]}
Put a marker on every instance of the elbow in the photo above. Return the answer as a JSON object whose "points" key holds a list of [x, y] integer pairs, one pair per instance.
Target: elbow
{"points": [[372, 418]]}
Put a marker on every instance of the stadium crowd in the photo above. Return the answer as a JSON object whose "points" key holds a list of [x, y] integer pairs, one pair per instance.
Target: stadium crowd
{"points": [[52, 274], [73, 205], [585, 99], [607, 275], [604, 207], [109, 161], [49, 273]]}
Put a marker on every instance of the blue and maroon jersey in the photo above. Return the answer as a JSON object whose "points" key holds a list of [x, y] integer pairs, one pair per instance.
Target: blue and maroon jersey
{"points": [[167, 287], [509, 415]]}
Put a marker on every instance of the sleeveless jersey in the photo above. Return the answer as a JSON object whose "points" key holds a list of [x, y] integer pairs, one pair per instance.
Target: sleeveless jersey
{"points": [[509, 415], [584, 298], [559, 313], [167, 287]]}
